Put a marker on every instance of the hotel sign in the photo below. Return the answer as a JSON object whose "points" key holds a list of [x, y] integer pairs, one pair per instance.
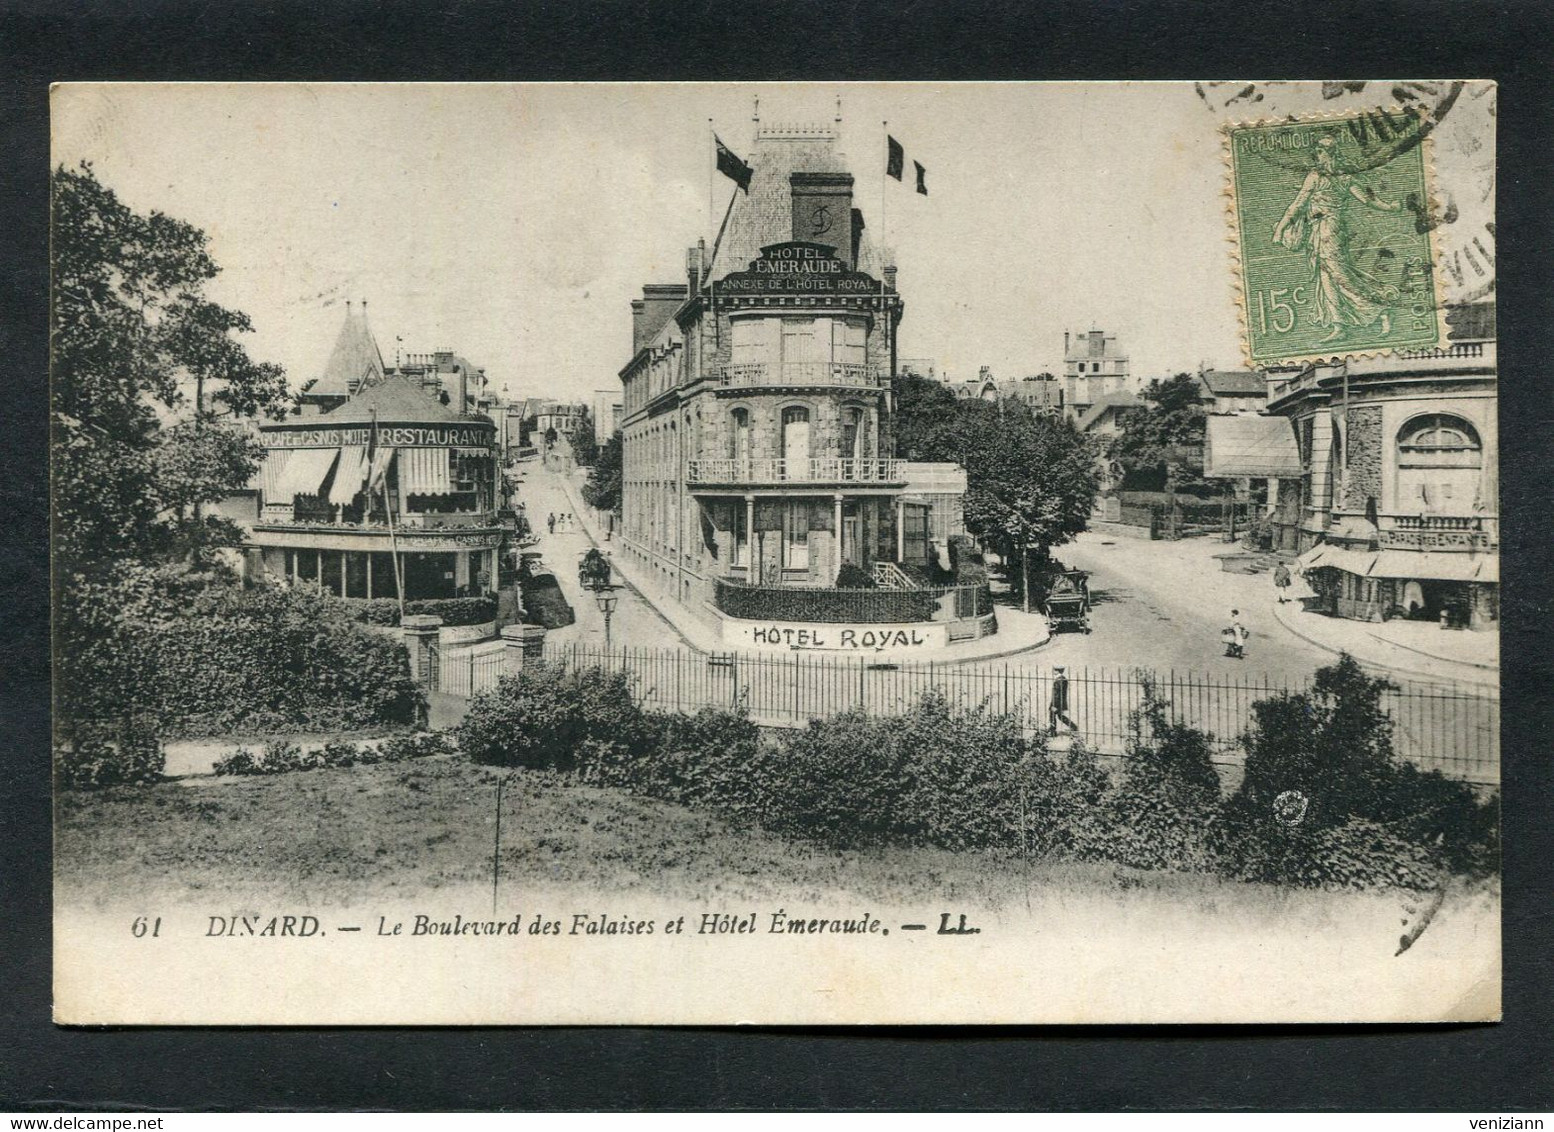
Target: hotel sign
{"points": [[392, 436], [866, 639], [798, 269]]}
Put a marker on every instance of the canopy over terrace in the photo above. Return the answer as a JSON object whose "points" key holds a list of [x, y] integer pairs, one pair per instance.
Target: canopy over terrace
{"points": [[392, 472]]}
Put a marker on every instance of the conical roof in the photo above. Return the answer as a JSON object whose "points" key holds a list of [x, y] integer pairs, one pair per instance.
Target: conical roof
{"points": [[355, 359], [398, 400], [764, 215]]}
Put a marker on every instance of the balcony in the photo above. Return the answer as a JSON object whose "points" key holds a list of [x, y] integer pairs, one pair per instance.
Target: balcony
{"points": [[757, 374], [820, 469]]}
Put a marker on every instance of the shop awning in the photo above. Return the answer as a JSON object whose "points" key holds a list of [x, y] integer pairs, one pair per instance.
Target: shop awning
{"points": [[1343, 558], [425, 471], [303, 473], [1250, 446], [349, 476], [1436, 566]]}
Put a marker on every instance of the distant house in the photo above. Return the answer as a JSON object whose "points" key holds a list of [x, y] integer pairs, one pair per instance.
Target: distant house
{"points": [[1041, 393], [1232, 390], [1105, 416]]}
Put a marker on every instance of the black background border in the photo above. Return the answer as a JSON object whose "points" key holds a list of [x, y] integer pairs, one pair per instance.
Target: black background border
{"points": [[1467, 1068]]}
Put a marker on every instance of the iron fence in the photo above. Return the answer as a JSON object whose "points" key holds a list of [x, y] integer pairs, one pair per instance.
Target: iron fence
{"points": [[1456, 732], [468, 671]]}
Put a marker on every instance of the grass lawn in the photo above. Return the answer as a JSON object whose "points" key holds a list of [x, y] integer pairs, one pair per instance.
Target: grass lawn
{"points": [[409, 830]]}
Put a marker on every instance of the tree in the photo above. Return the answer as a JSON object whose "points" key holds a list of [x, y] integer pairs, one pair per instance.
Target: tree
{"points": [[603, 489], [1030, 479], [1163, 442], [149, 384], [585, 449]]}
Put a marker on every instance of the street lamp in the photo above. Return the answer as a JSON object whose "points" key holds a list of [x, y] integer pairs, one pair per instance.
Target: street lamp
{"points": [[606, 598]]}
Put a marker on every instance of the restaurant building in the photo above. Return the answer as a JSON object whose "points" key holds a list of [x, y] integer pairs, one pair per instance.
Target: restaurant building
{"points": [[380, 482], [1393, 504], [759, 450]]}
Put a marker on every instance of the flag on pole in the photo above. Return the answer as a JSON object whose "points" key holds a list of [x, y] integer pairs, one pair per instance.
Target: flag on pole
{"points": [[922, 188], [731, 166], [895, 158]]}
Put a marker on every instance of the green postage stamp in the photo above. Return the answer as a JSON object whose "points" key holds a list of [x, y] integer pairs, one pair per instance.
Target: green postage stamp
{"points": [[1333, 219]]}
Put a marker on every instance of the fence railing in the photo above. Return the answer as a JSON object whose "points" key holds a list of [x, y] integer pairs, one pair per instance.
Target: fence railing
{"points": [[469, 671], [824, 469], [1457, 733], [868, 606]]}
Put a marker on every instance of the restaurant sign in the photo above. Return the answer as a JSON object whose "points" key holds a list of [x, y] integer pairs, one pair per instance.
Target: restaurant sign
{"points": [[392, 436], [798, 268]]}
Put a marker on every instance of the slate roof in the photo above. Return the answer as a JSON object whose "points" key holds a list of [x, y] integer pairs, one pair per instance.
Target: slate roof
{"points": [[355, 358], [1234, 382], [1250, 445], [1104, 402], [398, 400], [764, 215]]}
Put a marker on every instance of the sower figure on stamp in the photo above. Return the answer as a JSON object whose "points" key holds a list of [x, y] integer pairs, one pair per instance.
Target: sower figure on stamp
{"points": [[1057, 710], [1343, 294]]}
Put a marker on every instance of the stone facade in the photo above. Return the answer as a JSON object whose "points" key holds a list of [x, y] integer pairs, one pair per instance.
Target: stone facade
{"points": [[1362, 476]]}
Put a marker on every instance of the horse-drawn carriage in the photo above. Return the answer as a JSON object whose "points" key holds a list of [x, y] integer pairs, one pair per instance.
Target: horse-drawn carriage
{"points": [[593, 572], [1068, 602]]}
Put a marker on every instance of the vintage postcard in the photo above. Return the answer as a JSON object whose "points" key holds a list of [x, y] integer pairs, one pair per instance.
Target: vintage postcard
{"points": [[775, 553]]}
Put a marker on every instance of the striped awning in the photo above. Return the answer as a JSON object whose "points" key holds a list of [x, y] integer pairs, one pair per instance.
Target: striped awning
{"points": [[349, 476], [1328, 556], [425, 471], [381, 460], [1436, 566], [302, 472]]}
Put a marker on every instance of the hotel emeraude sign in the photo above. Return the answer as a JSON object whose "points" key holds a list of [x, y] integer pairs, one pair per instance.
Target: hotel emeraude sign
{"points": [[393, 436], [798, 268]]}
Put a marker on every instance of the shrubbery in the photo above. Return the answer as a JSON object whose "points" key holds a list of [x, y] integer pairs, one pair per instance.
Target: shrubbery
{"points": [[1323, 802], [282, 756], [205, 655], [452, 610], [95, 757]]}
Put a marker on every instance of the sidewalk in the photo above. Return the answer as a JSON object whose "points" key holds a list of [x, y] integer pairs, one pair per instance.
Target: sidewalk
{"points": [[1017, 631], [1411, 649]]}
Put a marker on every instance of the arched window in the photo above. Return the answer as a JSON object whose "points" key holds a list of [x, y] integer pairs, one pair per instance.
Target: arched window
{"points": [[1439, 465]]}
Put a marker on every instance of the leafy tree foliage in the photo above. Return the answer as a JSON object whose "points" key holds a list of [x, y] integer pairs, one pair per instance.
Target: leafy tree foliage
{"points": [[1031, 479], [1164, 441], [585, 449], [603, 489], [148, 381]]}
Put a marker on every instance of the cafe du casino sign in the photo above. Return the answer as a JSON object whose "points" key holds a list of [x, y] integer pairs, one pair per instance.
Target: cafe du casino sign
{"points": [[392, 436], [798, 269]]}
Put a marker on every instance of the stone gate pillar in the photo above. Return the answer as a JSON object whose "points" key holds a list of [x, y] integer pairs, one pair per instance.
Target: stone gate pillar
{"points": [[420, 633], [524, 645]]}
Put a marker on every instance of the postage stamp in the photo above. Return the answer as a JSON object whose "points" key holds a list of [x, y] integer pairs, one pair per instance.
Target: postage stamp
{"points": [[1333, 219]]}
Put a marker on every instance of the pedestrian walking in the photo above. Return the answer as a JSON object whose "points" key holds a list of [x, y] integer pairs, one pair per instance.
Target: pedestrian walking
{"points": [[1235, 636], [1057, 709], [550, 522], [1281, 582]]}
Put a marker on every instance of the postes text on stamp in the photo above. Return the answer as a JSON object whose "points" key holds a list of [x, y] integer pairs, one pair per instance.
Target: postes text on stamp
{"points": [[1332, 221]]}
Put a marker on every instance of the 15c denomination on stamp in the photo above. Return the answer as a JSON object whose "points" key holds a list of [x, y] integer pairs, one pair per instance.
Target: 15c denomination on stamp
{"points": [[1332, 219]]}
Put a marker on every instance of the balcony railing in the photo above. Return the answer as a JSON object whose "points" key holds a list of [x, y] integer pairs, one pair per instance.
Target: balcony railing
{"points": [[1435, 522], [820, 469], [797, 373], [1455, 350]]}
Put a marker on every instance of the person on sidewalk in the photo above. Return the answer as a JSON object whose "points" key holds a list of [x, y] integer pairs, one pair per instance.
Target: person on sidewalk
{"points": [[550, 522], [1057, 709], [1235, 636], [1281, 582]]}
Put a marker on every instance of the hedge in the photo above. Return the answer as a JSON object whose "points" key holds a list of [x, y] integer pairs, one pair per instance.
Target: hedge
{"points": [[452, 610]]}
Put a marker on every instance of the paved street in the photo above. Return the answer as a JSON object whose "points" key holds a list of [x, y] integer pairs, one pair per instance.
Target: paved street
{"points": [[1161, 605], [634, 621]]}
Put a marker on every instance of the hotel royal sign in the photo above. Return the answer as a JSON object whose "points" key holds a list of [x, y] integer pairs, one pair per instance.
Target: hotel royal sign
{"points": [[798, 268], [393, 436]]}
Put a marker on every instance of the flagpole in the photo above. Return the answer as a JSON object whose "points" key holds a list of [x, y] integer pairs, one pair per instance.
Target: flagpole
{"points": [[712, 172], [884, 183], [388, 511], [718, 243]]}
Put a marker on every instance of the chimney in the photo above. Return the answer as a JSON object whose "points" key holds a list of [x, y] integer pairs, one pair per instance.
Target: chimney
{"points": [[823, 211], [1065, 343], [659, 302], [890, 277], [693, 268], [461, 405], [637, 309]]}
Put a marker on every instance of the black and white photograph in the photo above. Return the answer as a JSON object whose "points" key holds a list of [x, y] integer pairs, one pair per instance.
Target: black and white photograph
{"points": [[781, 553]]}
